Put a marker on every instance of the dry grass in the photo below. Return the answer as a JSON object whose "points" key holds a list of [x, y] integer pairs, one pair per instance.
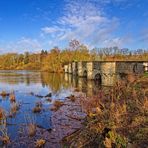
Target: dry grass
{"points": [[123, 109], [49, 99], [4, 138], [72, 98], [56, 105], [2, 114], [31, 129], [4, 94], [14, 108], [40, 143], [12, 97], [38, 107], [31, 126]]}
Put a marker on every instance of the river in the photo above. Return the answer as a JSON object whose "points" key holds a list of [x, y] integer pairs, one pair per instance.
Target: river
{"points": [[27, 85]]}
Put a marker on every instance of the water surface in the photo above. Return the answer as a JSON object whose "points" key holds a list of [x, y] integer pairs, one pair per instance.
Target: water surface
{"points": [[26, 83]]}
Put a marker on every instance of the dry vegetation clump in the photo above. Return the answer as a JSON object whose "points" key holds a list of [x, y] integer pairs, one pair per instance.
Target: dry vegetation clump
{"points": [[77, 90], [40, 143], [14, 108], [31, 126], [115, 118], [72, 98], [4, 94], [31, 129], [49, 99], [4, 138], [38, 107], [2, 114], [12, 97], [56, 105]]}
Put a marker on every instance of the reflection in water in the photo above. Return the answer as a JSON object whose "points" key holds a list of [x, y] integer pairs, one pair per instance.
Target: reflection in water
{"points": [[43, 82], [40, 83], [90, 88]]}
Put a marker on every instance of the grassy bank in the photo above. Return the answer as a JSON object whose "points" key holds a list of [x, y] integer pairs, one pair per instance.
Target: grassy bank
{"points": [[115, 118]]}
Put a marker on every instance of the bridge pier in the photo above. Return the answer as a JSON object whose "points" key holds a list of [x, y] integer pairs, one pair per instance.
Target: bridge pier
{"points": [[108, 70], [66, 68], [80, 69], [145, 64], [105, 72], [74, 68], [69, 68], [89, 67]]}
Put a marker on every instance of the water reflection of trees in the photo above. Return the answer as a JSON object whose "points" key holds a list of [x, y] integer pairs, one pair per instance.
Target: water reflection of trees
{"points": [[15, 77], [55, 82]]}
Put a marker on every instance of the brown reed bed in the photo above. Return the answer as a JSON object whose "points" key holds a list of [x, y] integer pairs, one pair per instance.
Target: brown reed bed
{"points": [[38, 107], [115, 118], [40, 143], [56, 105], [4, 94], [12, 97]]}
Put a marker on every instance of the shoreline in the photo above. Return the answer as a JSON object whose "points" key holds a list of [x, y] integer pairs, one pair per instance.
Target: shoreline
{"points": [[65, 121]]}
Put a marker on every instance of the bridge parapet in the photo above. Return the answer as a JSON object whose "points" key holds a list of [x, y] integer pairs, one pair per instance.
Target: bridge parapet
{"points": [[129, 67], [106, 72]]}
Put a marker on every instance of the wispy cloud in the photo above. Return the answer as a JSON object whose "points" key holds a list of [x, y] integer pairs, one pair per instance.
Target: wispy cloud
{"points": [[22, 45], [83, 21], [144, 35]]}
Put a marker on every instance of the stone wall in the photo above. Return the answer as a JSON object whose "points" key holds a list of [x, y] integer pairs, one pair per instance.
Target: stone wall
{"points": [[108, 73], [129, 67], [145, 64], [70, 68], [89, 67], [80, 69], [74, 68], [96, 69], [66, 68]]}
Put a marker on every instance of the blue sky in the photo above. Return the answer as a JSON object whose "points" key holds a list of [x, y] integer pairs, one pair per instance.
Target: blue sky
{"points": [[32, 25]]}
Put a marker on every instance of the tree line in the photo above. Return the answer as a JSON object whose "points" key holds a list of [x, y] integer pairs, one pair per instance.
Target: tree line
{"points": [[54, 59]]}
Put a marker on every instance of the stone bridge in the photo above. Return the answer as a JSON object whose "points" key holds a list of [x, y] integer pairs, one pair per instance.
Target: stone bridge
{"points": [[105, 72]]}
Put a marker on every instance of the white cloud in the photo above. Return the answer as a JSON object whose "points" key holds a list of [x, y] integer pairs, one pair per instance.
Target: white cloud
{"points": [[84, 21], [49, 30], [22, 45]]}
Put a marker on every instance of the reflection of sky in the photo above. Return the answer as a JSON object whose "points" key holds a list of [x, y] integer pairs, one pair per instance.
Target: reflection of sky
{"points": [[27, 81], [22, 87], [23, 83]]}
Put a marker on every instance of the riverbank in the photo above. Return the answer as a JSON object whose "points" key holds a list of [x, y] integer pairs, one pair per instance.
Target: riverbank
{"points": [[66, 120], [115, 118]]}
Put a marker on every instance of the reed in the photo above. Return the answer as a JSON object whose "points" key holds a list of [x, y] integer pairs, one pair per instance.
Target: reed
{"points": [[12, 97], [37, 108], [31, 126], [40, 143], [123, 109], [56, 105]]}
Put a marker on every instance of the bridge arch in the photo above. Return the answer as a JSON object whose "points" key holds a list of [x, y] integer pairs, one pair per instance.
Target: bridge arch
{"points": [[98, 78], [85, 73], [122, 76]]}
